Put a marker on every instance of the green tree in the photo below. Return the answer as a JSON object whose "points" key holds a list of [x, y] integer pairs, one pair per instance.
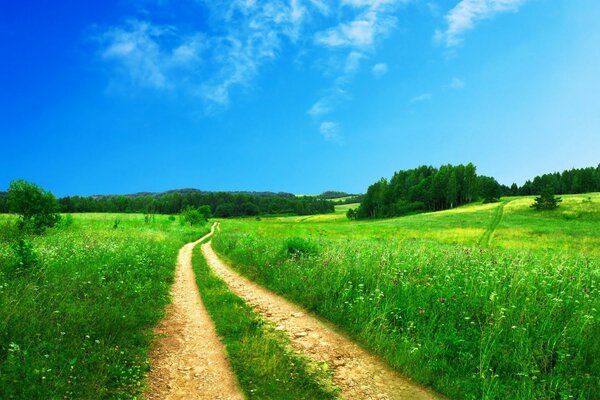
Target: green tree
{"points": [[546, 201], [37, 209], [192, 216], [351, 214]]}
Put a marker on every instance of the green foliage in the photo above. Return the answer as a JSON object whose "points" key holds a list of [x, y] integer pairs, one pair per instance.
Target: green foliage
{"points": [[351, 214], [220, 204], [25, 257], [576, 180], [427, 189], [546, 201], [265, 364], [300, 247], [195, 216], [37, 209], [78, 324]]}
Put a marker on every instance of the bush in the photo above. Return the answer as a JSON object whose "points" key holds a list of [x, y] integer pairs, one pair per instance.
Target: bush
{"points": [[195, 216], [299, 247], [37, 209], [25, 259]]}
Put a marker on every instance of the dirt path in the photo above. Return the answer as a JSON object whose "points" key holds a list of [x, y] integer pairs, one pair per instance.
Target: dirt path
{"points": [[359, 374], [189, 361]]}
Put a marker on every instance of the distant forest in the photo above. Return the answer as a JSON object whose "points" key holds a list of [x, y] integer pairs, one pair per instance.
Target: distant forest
{"points": [[431, 189], [222, 204], [409, 191]]}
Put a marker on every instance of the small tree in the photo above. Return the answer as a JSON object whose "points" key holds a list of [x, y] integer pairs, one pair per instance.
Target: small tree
{"points": [[351, 214], [37, 209], [546, 201], [195, 216]]}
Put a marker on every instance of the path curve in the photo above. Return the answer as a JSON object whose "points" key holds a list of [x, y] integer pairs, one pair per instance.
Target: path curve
{"points": [[189, 361], [358, 374]]}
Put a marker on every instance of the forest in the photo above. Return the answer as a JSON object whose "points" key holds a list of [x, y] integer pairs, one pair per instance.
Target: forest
{"points": [[222, 204], [432, 189]]}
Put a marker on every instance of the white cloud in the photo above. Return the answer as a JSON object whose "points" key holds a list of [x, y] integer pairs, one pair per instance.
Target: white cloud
{"points": [[330, 131], [467, 13], [456, 83], [244, 35], [137, 50], [379, 69], [421, 98]]}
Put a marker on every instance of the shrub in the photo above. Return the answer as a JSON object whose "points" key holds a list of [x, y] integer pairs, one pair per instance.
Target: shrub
{"points": [[25, 259], [299, 247], [37, 209]]}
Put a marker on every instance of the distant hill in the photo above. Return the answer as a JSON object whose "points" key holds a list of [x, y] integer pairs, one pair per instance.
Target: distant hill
{"points": [[188, 191]]}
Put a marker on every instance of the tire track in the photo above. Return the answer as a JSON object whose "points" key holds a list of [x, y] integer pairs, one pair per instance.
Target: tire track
{"points": [[486, 238], [189, 361], [359, 374]]}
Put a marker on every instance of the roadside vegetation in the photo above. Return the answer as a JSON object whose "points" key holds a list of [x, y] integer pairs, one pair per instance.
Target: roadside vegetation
{"points": [[262, 358], [78, 304], [512, 316]]}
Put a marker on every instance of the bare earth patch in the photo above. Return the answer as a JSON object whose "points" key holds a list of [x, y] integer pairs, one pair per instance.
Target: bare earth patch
{"points": [[189, 361], [358, 374]]}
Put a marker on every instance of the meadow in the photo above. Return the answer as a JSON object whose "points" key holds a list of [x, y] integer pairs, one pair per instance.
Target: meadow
{"points": [[485, 301], [78, 304]]}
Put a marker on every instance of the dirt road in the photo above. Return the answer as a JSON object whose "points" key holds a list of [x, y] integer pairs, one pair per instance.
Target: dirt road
{"points": [[189, 361], [359, 374]]}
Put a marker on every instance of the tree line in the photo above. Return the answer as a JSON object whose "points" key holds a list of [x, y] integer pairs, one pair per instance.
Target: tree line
{"points": [[222, 204], [426, 189], [432, 189], [572, 181]]}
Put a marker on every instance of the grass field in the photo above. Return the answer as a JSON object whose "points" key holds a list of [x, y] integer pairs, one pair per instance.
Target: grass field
{"points": [[78, 304], [486, 301]]}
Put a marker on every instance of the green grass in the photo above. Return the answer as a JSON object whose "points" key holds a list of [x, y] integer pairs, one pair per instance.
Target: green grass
{"points": [[262, 358], [479, 302], [77, 322]]}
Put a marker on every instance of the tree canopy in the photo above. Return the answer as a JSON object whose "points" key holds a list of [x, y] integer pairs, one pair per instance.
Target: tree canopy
{"points": [[221, 204], [37, 209], [427, 189]]}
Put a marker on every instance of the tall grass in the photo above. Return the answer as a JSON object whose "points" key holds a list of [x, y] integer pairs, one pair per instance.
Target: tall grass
{"points": [[76, 322], [472, 323]]}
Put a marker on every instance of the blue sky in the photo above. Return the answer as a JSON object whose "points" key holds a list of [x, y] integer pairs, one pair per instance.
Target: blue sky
{"points": [[300, 96]]}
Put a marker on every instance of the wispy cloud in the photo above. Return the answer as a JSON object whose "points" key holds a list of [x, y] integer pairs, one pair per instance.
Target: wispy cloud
{"points": [[244, 35], [369, 22], [330, 132], [456, 83], [138, 52], [379, 70], [421, 98], [467, 13]]}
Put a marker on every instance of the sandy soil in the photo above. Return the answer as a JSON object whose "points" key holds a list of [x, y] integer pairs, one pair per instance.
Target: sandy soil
{"points": [[188, 361], [359, 374]]}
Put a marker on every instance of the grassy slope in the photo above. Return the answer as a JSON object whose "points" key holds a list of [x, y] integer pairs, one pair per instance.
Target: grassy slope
{"points": [[264, 362], [476, 305], [78, 324]]}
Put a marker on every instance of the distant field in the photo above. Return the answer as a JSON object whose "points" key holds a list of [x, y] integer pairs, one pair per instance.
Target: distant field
{"points": [[573, 226], [487, 301], [78, 304]]}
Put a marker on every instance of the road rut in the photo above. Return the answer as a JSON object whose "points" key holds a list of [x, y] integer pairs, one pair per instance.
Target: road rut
{"points": [[189, 361], [358, 374]]}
